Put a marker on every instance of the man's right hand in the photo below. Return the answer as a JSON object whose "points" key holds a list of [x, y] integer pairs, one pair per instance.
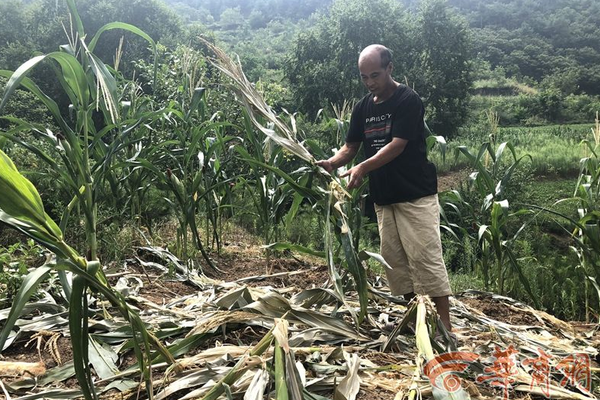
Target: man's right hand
{"points": [[326, 165]]}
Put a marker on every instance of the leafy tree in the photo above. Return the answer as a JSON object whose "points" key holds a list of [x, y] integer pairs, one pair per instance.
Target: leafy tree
{"points": [[538, 39], [231, 18], [257, 19], [44, 23], [322, 64], [442, 71], [431, 52], [12, 18]]}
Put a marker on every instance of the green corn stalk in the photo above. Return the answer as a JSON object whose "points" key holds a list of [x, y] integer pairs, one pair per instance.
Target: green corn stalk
{"points": [[490, 218], [90, 85], [586, 229], [270, 194], [21, 208], [189, 166]]}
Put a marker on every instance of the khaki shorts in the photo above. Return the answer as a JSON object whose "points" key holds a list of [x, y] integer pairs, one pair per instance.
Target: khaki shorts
{"points": [[411, 245]]}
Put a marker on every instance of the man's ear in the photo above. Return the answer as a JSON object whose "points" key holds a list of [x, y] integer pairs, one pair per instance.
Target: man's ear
{"points": [[390, 67]]}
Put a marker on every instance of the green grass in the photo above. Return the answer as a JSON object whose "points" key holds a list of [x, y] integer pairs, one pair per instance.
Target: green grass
{"points": [[461, 281], [545, 192], [555, 150]]}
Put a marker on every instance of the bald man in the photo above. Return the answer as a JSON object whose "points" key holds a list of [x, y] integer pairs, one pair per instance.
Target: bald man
{"points": [[389, 123]]}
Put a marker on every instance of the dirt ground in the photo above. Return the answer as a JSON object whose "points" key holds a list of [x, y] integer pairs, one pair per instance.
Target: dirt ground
{"points": [[501, 313], [451, 180]]}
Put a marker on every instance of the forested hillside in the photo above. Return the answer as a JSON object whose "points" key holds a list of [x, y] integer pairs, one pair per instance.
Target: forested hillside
{"points": [[544, 54], [555, 40]]}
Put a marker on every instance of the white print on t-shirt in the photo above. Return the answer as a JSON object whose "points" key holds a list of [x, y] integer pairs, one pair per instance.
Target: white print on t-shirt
{"points": [[378, 119]]}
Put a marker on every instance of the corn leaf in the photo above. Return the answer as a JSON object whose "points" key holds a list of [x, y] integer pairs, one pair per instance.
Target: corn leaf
{"points": [[27, 289], [21, 200], [103, 359], [350, 384], [258, 386]]}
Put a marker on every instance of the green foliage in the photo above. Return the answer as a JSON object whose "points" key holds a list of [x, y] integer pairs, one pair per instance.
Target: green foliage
{"points": [[538, 39], [89, 85], [442, 70], [460, 254], [14, 262], [24, 105], [432, 54], [21, 208], [542, 107], [322, 64], [487, 219], [251, 9], [463, 281], [189, 165]]}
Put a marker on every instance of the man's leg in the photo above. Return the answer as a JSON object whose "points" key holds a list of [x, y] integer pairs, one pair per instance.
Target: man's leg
{"points": [[442, 305], [409, 296], [399, 276], [418, 228]]}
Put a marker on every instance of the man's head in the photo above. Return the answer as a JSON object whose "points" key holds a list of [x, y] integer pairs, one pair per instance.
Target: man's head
{"points": [[375, 66]]}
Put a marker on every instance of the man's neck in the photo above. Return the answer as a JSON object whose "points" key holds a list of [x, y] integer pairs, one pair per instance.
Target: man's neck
{"points": [[389, 91]]}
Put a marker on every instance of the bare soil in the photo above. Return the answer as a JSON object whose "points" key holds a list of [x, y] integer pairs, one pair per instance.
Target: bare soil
{"points": [[288, 271], [375, 394], [452, 180], [19, 352], [500, 312]]}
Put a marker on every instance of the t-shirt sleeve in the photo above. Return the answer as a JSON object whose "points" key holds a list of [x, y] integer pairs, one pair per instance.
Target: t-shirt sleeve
{"points": [[356, 131], [408, 121]]}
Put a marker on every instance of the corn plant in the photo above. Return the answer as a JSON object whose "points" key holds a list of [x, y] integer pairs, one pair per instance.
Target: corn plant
{"points": [[87, 159], [275, 200], [189, 166], [127, 185], [85, 154], [586, 229], [285, 136], [21, 208], [488, 218]]}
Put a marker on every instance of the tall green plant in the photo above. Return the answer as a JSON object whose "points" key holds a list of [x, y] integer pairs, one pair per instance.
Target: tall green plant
{"points": [[487, 217], [21, 208], [189, 165], [275, 200], [91, 87], [587, 229], [281, 134]]}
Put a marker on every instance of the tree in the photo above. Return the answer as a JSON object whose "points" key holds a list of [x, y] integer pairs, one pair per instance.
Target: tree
{"points": [[231, 18], [431, 52], [322, 64], [44, 24], [442, 69]]}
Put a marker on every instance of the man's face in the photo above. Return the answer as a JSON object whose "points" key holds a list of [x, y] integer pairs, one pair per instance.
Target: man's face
{"points": [[373, 75]]}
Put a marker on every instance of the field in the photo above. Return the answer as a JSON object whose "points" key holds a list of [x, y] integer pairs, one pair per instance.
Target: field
{"points": [[188, 246]]}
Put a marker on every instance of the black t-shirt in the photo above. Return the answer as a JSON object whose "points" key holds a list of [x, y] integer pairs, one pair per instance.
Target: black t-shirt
{"points": [[409, 176]]}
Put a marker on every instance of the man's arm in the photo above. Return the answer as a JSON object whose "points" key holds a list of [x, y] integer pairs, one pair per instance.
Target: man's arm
{"points": [[386, 154], [341, 158]]}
